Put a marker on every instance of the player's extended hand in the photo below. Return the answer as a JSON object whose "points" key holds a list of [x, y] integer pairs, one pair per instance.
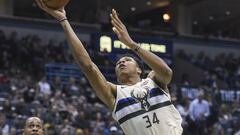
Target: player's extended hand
{"points": [[120, 29], [57, 14]]}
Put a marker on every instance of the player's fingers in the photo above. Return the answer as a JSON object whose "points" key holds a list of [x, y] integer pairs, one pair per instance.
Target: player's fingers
{"points": [[115, 16], [61, 9], [116, 31], [43, 5], [64, 11], [115, 23], [116, 26]]}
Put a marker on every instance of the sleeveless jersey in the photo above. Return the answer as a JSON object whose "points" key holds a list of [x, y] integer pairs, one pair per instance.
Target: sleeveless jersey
{"points": [[145, 109]]}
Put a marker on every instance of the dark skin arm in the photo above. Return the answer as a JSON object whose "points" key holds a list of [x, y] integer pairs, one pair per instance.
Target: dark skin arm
{"points": [[104, 89]]}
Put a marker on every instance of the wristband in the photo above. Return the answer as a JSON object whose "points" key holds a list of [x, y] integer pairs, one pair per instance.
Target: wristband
{"points": [[63, 19], [137, 48]]}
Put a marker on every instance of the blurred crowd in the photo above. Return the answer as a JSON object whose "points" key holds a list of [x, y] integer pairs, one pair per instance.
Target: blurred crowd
{"points": [[224, 66], [65, 111], [24, 91], [208, 113], [74, 109]]}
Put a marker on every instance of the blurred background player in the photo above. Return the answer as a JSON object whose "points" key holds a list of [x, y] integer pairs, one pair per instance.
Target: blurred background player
{"points": [[33, 126]]}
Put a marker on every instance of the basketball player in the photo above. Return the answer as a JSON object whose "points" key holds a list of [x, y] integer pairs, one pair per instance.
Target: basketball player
{"points": [[140, 106], [33, 126]]}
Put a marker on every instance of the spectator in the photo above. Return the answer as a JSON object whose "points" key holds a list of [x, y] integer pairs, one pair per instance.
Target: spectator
{"points": [[185, 79], [4, 126], [113, 130], [13, 131], [183, 108], [56, 85], [73, 88], [237, 133], [199, 111], [3, 78], [44, 86], [66, 128]]}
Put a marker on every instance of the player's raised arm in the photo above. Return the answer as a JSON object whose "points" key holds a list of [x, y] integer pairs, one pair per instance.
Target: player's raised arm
{"points": [[161, 73], [104, 90]]}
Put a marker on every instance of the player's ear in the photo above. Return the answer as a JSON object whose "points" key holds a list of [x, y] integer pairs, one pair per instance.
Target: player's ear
{"points": [[139, 70]]}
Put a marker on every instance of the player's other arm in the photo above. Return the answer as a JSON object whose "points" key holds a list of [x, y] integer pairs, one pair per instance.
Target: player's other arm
{"points": [[161, 73], [104, 90]]}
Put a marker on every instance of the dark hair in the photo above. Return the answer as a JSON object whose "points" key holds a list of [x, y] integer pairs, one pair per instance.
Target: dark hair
{"points": [[137, 59]]}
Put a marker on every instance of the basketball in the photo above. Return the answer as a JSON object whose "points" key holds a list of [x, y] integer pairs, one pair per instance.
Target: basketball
{"points": [[56, 4]]}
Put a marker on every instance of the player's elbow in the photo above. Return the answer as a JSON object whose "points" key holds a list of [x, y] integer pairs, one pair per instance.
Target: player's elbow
{"points": [[168, 75]]}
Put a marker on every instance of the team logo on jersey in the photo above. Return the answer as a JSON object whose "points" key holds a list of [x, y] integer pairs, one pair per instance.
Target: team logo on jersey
{"points": [[141, 95]]}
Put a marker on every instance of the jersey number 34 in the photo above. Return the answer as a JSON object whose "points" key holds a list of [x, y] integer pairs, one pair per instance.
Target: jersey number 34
{"points": [[151, 120]]}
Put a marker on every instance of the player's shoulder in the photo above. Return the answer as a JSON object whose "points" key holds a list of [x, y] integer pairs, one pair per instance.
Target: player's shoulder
{"points": [[148, 80], [113, 88], [142, 83]]}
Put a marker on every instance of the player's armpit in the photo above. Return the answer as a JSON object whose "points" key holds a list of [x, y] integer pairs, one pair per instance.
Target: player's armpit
{"points": [[164, 77], [158, 80], [104, 90]]}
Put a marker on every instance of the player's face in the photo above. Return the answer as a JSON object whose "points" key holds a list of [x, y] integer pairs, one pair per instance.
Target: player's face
{"points": [[126, 65], [33, 127]]}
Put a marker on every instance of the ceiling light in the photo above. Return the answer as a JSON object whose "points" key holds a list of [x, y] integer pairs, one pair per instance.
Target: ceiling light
{"points": [[195, 22], [227, 12], [133, 9], [166, 17], [149, 3], [210, 17]]}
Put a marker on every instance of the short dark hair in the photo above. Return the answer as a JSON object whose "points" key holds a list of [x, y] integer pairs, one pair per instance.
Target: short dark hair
{"points": [[137, 59]]}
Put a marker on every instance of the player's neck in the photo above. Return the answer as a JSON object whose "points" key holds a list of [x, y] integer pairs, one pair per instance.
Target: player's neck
{"points": [[130, 80]]}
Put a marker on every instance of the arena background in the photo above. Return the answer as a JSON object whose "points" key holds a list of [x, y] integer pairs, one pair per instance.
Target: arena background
{"points": [[199, 39]]}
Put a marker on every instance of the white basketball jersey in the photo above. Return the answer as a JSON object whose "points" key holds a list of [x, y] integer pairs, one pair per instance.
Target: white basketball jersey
{"points": [[145, 109]]}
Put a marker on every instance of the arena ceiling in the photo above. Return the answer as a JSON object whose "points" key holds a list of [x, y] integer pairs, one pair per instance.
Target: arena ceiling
{"points": [[203, 12], [210, 11]]}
